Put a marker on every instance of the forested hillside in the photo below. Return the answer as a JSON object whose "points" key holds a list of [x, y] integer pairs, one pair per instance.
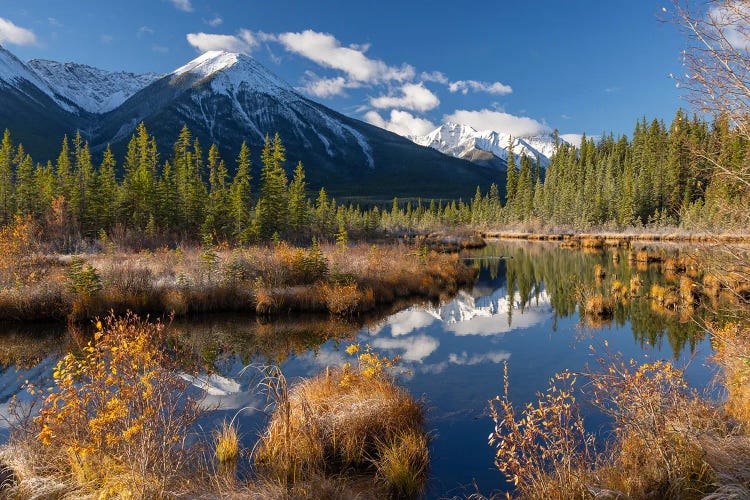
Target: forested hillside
{"points": [[616, 182]]}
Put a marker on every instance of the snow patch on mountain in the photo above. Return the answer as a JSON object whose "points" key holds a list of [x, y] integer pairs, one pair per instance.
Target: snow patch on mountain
{"points": [[461, 140], [233, 74], [231, 71], [14, 72], [92, 89]]}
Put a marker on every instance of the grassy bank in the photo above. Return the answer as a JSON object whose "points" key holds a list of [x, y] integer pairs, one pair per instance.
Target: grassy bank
{"points": [[607, 238], [267, 280], [667, 440], [119, 422]]}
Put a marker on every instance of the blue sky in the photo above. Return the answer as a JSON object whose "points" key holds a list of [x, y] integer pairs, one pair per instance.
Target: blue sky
{"points": [[578, 66]]}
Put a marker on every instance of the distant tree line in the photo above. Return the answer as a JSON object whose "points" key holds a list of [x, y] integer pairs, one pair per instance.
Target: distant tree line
{"points": [[655, 177], [658, 176]]}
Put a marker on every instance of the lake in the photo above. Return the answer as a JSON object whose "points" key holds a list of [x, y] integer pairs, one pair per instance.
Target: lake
{"points": [[522, 310]]}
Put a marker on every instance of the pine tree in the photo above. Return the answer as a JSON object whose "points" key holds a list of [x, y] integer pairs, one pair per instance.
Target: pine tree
{"points": [[511, 177], [298, 204], [218, 210], [27, 193], [7, 155], [105, 199], [272, 213], [139, 182], [239, 194]]}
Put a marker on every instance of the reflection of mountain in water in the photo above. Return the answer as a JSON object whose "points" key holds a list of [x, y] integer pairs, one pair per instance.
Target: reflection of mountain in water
{"points": [[492, 314], [465, 308]]}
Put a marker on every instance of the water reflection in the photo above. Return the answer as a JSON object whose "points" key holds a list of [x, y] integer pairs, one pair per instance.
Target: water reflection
{"points": [[523, 310]]}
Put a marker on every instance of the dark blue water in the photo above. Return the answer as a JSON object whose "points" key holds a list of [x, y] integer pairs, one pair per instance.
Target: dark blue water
{"points": [[522, 310]]}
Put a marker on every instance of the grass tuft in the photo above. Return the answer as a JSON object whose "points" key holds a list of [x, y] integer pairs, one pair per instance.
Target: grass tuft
{"points": [[226, 443]]}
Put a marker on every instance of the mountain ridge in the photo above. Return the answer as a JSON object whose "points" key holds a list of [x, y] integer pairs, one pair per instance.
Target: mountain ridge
{"points": [[226, 98], [487, 147]]}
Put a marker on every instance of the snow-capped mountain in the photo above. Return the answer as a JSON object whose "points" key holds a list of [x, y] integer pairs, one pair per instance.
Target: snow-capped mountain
{"points": [[91, 89], [18, 76], [482, 146], [223, 98]]}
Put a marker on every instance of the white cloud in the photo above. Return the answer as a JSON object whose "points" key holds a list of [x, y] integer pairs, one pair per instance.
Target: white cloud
{"points": [[160, 49], [476, 359], [183, 5], [10, 33], [401, 122], [732, 19], [414, 96], [327, 87], [143, 31], [106, 38], [54, 22], [416, 348], [243, 42], [406, 321], [325, 50], [215, 21], [464, 86], [262, 36], [434, 76], [486, 119]]}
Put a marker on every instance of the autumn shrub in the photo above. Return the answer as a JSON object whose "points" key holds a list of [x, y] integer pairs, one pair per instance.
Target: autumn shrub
{"points": [[636, 282], [597, 305], [118, 414], [732, 345], [599, 272], [341, 300], [345, 420], [543, 448], [663, 444], [659, 425], [18, 253]]}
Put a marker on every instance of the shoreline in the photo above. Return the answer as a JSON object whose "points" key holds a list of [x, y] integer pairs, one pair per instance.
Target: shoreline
{"points": [[264, 281], [617, 238]]}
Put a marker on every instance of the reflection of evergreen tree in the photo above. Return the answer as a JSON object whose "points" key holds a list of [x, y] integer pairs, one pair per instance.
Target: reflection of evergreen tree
{"points": [[531, 268]]}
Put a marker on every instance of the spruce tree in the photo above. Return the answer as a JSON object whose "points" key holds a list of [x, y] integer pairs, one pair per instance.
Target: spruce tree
{"points": [[298, 205], [239, 194], [7, 155]]}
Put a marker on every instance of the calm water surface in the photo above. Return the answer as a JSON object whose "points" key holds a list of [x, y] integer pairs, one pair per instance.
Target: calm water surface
{"points": [[522, 311]]}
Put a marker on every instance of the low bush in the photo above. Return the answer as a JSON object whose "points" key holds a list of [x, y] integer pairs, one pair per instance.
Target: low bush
{"points": [[118, 415], [347, 420]]}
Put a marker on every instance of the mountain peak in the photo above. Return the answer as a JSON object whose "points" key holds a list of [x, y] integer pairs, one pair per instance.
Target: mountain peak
{"points": [[92, 89], [231, 70], [209, 63], [463, 141]]}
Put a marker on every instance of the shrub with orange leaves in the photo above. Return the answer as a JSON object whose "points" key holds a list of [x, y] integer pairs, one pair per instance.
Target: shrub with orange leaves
{"points": [[120, 402], [732, 345], [18, 244], [545, 450], [667, 442]]}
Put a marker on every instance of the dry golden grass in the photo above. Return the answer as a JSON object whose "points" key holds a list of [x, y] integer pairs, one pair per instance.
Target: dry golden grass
{"points": [[667, 442], [346, 421], [592, 242], [402, 463], [599, 306], [599, 272], [732, 345], [264, 279], [226, 443]]}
